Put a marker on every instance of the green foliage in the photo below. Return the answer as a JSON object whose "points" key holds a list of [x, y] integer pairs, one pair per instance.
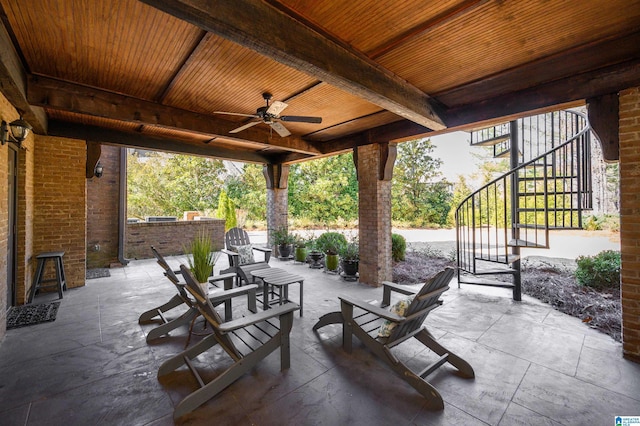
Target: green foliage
{"points": [[324, 190], [202, 257], [330, 242], [599, 271], [351, 251], [161, 184], [398, 247], [608, 222], [420, 196], [248, 190], [227, 211], [282, 236]]}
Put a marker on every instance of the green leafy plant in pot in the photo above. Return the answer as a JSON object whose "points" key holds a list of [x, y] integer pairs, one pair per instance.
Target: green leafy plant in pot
{"points": [[350, 258], [301, 249], [202, 259], [331, 243], [283, 240]]}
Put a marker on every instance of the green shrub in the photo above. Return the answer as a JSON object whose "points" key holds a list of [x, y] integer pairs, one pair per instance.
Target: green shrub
{"points": [[330, 242], [599, 271], [398, 247]]}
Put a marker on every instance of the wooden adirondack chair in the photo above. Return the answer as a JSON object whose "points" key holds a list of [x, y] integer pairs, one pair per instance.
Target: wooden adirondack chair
{"points": [[182, 298], [247, 340], [238, 238], [364, 320]]}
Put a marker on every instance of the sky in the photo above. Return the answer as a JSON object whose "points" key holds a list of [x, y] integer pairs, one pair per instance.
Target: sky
{"points": [[454, 150]]}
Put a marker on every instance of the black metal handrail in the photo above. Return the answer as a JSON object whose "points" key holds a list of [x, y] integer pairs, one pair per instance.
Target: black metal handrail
{"points": [[552, 186]]}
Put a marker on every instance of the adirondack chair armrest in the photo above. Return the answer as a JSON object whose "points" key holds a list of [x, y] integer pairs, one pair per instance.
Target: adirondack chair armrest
{"points": [[288, 308], [262, 249], [222, 295], [388, 287], [376, 310], [229, 253]]}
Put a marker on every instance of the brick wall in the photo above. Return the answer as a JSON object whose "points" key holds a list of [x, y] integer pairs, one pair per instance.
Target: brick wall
{"points": [[374, 202], [103, 195], [168, 237], [630, 220], [277, 210], [59, 220]]}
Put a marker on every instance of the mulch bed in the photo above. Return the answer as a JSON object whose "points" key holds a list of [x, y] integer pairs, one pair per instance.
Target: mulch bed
{"points": [[550, 282]]}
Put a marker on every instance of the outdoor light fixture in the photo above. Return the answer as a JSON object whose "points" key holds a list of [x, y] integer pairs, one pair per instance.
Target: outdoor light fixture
{"points": [[98, 170], [16, 131]]}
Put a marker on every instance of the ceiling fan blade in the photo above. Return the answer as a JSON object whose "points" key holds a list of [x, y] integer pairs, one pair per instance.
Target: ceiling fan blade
{"points": [[236, 113], [246, 126], [276, 108], [301, 119], [280, 129]]}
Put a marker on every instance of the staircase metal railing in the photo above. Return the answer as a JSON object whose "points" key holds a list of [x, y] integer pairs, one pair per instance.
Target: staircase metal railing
{"points": [[548, 188]]}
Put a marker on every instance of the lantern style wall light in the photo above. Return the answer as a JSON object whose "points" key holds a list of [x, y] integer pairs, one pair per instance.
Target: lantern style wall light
{"points": [[16, 131], [98, 170]]}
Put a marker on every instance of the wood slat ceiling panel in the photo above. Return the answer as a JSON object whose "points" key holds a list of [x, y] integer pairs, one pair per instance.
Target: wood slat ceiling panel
{"points": [[354, 126], [503, 35], [223, 76], [367, 24], [335, 106], [123, 46]]}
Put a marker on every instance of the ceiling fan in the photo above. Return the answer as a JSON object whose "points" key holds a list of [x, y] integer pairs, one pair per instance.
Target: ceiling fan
{"points": [[270, 115]]}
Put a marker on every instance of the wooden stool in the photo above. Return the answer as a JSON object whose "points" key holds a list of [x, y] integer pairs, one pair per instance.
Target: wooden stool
{"points": [[60, 280]]}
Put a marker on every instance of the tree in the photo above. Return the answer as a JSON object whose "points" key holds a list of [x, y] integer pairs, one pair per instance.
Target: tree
{"points": [[248, 191], [168, 185], [324, 190], [420, 194]]}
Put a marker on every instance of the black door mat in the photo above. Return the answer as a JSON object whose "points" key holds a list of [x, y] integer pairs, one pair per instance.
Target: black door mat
{"points": [[98, 273], [22, 316]]}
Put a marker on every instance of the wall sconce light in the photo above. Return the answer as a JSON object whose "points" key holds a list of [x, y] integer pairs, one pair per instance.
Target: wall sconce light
{"points": [[98, 170], [16, 131]]}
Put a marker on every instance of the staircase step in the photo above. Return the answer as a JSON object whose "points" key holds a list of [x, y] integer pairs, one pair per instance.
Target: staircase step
{"points": [[492, 141], [495, 271], [484, 281], [523, 243], [549, 178], [507, 260], [530, 226], [548, 193]]}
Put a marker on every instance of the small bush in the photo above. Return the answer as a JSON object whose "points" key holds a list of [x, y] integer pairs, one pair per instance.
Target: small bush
{"points": [[599, 271], [398, 247], [331, 242]]}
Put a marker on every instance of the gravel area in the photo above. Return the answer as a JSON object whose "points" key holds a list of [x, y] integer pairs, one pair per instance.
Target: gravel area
{"points": [[549, 280]]}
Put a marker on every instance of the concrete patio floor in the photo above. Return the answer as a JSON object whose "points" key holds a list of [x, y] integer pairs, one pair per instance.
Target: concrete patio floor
{"points": [[92, 365]]}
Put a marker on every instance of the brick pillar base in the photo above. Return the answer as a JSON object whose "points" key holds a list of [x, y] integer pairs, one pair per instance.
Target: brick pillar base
{"points": [[276, 177], [374, 166], [630, 220]]}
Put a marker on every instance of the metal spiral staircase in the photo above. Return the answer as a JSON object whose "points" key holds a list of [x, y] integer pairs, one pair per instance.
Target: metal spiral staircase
{"points": [[548, 187]]}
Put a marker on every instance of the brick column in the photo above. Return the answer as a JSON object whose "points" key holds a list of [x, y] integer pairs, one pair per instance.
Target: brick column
{"points": [[630, 220], [277, 176], [375, 164]]}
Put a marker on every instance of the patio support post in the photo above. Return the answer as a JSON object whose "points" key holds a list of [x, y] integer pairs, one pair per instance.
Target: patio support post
{"points": [[374, 164], [276, 176], [629, 129]]}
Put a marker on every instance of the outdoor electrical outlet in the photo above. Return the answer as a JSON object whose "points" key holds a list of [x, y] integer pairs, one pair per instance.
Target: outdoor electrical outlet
{"points": [[96, 247]]}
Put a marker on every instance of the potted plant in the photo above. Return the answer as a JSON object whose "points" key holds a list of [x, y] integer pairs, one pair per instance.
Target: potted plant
{"points": [[301, 249], [350, 259], [315, 254], [331, 243], [202, 259], [283, 240]]}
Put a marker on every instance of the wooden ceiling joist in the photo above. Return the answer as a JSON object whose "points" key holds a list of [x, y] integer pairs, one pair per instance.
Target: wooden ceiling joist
{"points": [[116, 137], [55, 94], [262, 28]]}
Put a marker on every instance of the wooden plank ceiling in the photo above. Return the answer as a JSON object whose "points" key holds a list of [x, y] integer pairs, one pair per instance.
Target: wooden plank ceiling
{"points": [[153, 73]]}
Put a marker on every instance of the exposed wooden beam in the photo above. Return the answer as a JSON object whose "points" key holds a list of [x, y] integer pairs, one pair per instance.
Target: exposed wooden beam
{"points": [[603, 113], [116, 137], [398, 131], [13, 81], [571, 62], [581, 86], [269, 31], [56, 94]]}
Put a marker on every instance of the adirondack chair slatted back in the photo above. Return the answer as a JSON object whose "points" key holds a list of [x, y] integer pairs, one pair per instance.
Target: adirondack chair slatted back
{"points": [[168, 272], [236, 237], [211, 315], [423, 302]]}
